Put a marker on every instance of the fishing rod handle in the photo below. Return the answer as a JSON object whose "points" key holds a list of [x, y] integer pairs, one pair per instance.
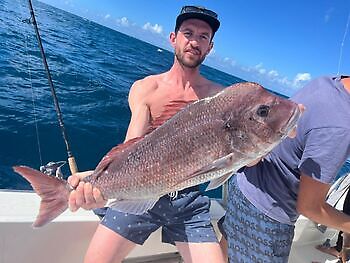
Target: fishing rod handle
{"points": [[72, 165]]}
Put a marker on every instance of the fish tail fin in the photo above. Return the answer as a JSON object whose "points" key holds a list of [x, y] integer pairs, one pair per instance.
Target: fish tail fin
{"points": [[53, 192]]}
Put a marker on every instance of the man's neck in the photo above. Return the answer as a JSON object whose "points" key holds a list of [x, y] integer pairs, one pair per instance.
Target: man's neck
{"points": [[184, 75]]}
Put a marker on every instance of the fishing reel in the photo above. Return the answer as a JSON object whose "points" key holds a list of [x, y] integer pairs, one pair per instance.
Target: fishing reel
{"points": [[53, 169]]}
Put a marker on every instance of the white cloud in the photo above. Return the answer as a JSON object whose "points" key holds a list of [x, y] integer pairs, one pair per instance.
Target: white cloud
{"points": [[262, 71], [123, 21], [272, 74], [69, 3], [259, 68], [107, 16], [229, 62], [301, 78], [156, 28], [285, 81]]}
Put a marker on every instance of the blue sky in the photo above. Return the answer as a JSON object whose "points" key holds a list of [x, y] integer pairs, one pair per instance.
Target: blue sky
{"points": [[280, 44]]}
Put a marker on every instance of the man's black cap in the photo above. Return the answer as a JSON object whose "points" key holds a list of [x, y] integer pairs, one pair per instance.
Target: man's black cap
{"points": [[198, 12]]}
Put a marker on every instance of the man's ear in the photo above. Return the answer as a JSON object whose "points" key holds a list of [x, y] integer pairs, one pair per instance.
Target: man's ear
{"points": [[172, 39], [211, 45]]}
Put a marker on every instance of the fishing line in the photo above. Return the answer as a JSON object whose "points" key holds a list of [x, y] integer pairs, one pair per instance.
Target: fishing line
{"points": [[71, 160], [29, 61], [29, 72], [342, 44]]}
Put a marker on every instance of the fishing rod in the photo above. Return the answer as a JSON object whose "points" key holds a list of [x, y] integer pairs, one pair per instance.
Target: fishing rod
{"points": [[71, 160]]}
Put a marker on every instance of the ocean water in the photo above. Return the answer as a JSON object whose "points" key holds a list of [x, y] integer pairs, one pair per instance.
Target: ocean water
{"points": [[92, 68]]}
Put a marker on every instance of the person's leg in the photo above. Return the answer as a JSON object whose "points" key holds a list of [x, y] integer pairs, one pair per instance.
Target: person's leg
{"points": [[187, 225], [345, 253], [200, 252], [117, 235], [223, 240], [224, 249], [251, 235], [108, 246]]}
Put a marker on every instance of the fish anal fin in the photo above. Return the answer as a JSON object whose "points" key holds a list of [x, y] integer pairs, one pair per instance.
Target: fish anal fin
{"points": [[215, 183], [136, 207]]}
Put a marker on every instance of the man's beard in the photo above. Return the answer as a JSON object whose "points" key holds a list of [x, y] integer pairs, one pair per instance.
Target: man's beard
{"points": [[180, 56]]}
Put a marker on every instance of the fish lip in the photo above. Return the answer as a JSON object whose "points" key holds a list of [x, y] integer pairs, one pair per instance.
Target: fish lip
{"points": [[292, 121]]}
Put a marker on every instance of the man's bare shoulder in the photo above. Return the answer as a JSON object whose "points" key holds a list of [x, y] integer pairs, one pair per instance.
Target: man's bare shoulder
{"points": [[146, 85]]}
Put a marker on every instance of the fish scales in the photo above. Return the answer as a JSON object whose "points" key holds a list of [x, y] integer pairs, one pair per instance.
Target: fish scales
{"points": [[206, 141]]}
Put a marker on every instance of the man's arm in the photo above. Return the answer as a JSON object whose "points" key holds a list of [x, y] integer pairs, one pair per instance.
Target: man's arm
{"points": [[140, 112], [311, 203], [89, 197]]}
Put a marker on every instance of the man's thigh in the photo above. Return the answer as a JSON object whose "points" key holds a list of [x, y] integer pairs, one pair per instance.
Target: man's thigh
{"points": [[108, 246], [200, 252]]}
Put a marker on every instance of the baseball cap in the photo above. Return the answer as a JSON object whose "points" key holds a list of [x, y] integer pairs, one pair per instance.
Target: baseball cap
{"points": [[198, 12]]}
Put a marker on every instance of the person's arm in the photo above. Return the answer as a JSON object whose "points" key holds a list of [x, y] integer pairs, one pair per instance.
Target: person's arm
{"points": [[140, 112], [324, 153], [89, 197], [311, 203]]}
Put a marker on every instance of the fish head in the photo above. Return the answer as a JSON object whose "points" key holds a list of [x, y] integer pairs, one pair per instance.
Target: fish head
{"points": [[255, 119]]}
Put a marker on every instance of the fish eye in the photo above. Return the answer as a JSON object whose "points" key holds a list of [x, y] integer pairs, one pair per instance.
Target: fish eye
{"points": [[263, 110]]}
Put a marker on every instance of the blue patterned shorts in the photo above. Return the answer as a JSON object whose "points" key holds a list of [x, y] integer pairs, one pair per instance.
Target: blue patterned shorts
{"points": [[251, 235], [183, 219]]}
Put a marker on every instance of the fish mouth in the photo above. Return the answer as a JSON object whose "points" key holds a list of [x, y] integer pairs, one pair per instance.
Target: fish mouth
{"points": [[292, 122]]}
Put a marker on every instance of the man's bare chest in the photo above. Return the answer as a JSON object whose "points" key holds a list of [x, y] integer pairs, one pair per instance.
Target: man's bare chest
{"points": [[158, 102]]}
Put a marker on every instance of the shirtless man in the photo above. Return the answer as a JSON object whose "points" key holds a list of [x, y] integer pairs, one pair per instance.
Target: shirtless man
{"points": [[184, 218]]}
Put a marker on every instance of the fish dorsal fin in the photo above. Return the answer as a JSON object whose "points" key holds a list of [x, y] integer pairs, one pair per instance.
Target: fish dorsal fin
{"points": [[136, 207], [112, 154], [168, 112]]}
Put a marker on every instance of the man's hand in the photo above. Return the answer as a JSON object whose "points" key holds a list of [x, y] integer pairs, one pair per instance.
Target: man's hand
{"points": [[84, 195]]}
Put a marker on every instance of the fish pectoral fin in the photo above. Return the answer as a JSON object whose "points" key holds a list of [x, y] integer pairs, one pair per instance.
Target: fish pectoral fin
{"points": [[215, 183], [136, 207], [217, 165]]}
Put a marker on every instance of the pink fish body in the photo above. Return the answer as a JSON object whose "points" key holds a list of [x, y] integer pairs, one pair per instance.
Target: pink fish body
{"points": [[208, 140]]}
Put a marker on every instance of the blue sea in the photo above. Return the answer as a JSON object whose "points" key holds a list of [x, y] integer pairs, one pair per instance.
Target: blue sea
{"points": [[92, 68]]}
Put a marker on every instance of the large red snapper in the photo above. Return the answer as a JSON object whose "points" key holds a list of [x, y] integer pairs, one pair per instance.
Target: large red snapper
{"points": [[206, 141]]}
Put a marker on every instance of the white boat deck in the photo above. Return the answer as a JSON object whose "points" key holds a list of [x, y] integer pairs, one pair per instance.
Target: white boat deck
{"points": [[66, 239]]}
